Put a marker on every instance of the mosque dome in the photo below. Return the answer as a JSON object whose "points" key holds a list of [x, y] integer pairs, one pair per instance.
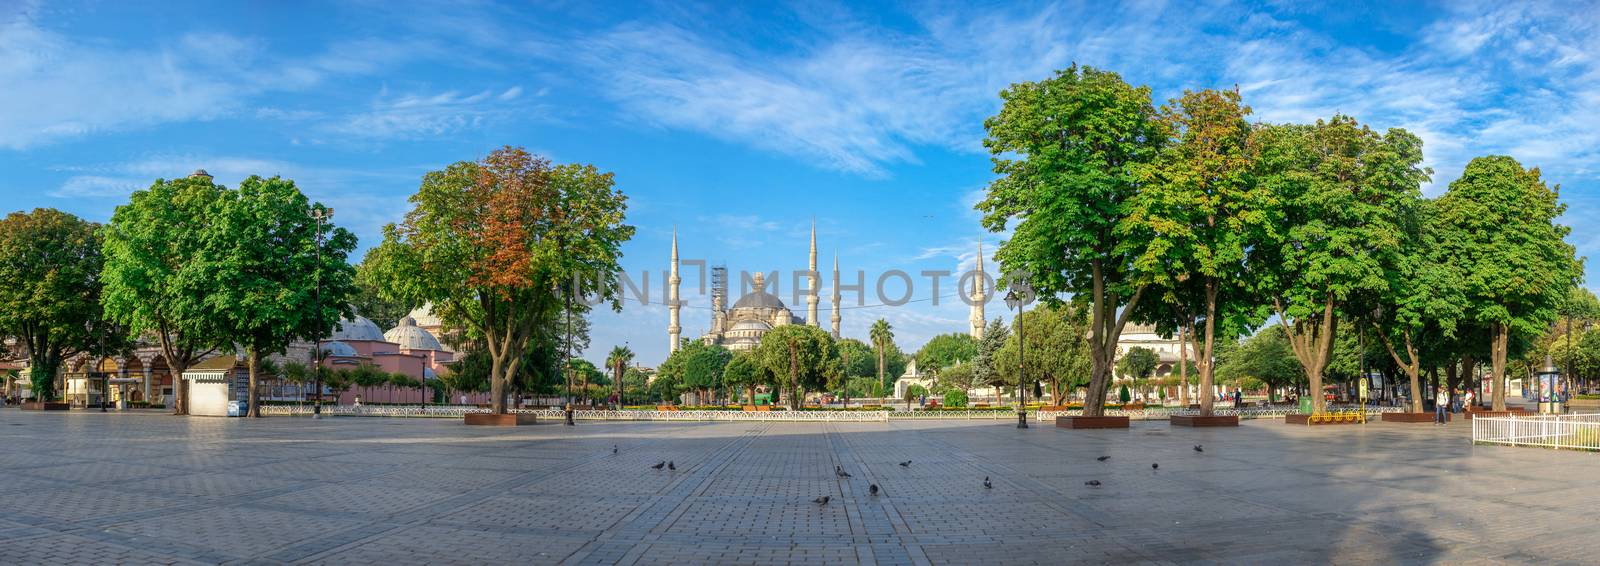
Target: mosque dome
{"points": [[339, 349], [759, 298], [358, 328], [751, 325], [423, 316], [412, 337]]}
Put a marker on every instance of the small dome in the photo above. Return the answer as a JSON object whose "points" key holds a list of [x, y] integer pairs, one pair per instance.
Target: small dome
{"points": [[423, 316], [412, 337], [200, 173], [751, 325], [339, 349], [357, 329]]}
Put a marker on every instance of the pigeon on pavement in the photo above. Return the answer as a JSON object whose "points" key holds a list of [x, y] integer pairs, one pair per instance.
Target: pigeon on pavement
{"points": [[821, 500], [839, 471], [987, 484], [873, 489], [1155, 466], [1092, 482], [905, 464], [1197, 448], [671, 466], [659, 466], [1103, 458], [613, 449]]}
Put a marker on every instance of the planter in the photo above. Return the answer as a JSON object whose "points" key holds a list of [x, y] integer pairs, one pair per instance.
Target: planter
{"points": [[1198, 421], [1411, 417], [1092, 422], [1507, 413], [45, 406], [508, 419]]}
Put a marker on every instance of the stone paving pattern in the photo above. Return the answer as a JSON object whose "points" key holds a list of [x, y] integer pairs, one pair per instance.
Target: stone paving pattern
{"points": [[90, 488]]}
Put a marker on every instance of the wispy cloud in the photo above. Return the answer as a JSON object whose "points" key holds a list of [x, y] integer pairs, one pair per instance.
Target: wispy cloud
{"points": [[415, 115]]}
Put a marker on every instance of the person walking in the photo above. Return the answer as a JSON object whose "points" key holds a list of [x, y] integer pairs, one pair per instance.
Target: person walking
{"points": [[1441, 404]]}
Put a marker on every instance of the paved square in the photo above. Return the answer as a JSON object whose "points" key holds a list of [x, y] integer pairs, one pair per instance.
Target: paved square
{"points": [[86, 487]]}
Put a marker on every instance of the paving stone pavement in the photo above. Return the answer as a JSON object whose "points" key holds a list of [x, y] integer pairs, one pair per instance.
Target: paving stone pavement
{"points": [[145, 488]]}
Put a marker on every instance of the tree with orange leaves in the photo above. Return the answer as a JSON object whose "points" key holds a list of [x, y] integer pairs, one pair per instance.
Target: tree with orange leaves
{"points": [[503, 248]]}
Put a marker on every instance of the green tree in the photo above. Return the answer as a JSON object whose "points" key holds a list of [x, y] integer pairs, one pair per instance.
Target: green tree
{"points": [[1198, 214], [1502, 233], [743, 371], [496, 245], [946, 350], [260, 253], [985, 365], [50, 288], [1423, 295], [697, 366], [1067, 150], [882, 336], [799, 357], [1138, 363], [368, 300], [1265, 357], [618, 362], [913, 393], [959, 377], [635, 384], [1056, 348], [1338, 186], [153, 285]]}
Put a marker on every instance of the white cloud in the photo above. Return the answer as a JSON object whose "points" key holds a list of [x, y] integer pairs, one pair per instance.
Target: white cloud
{"points": [[415, 116], [94, 186]]}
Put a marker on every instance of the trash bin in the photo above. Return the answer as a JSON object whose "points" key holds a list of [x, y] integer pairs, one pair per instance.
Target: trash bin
{"points": [[238, 408], [1305, 405]]}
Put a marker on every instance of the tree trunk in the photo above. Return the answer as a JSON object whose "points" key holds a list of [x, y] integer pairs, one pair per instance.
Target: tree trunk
{"points": [[1106, 326], [1207, 396], [254, 361], [1183, 365], [1311, 342], [1499, 338]]}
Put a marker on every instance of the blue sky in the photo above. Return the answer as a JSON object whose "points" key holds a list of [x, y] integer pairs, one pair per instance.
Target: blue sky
{"points": [[740, 123]]}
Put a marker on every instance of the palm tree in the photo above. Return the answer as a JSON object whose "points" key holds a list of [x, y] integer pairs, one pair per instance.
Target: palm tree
{"points": [[617, 361], [882, 336]]}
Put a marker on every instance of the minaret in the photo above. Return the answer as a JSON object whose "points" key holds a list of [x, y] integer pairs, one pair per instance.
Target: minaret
{"points": [[836, 298], [811, 293], [673, 329], [978, 297]]}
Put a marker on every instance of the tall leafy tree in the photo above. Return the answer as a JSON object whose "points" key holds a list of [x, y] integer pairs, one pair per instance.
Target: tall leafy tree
{"points": [[617, 361], [985, 366], [1198, 214], [1339, 186], [50, 288], [1502, 233], [267, 287], [1422, 297], [1054, 345], [800, 357], [368, 301], [1138, 363], [744, 371], [154, 285], [882, 336], [697, 366], [497, 245], [1067, 150]]}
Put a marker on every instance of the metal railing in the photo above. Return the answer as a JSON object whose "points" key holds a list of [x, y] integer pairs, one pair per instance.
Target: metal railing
{"points": [[781, 415], [1578, 432]]}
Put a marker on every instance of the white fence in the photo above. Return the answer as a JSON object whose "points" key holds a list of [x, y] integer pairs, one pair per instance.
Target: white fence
{"points": [[1580, 432], [457, 411]]}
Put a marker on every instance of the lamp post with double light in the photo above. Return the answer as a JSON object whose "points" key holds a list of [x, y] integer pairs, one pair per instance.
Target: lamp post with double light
{"points": [[321, 215], [1015, 302]]}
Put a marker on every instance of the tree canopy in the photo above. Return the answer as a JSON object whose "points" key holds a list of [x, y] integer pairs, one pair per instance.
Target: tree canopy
{"points": [[1067, 151], [50, 288], [799, 358], [946, 350]]}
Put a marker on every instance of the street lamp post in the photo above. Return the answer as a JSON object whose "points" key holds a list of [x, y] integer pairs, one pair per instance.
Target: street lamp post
{"points": [[1015, 302], [321, 215]]}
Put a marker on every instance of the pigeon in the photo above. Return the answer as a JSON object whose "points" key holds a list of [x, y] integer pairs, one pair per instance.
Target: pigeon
{"points": [[1103, 458], [987, 484], [905, 464], [821, 500], [873, 489], [839, 471], [1197, 448], [1092, 482], [613, 449], [659, 466], [672, 466], [1155, 466]]}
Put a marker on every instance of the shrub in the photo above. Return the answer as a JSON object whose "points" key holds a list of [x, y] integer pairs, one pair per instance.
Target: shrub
{"points": [[1123, 395], [955, 398]]}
